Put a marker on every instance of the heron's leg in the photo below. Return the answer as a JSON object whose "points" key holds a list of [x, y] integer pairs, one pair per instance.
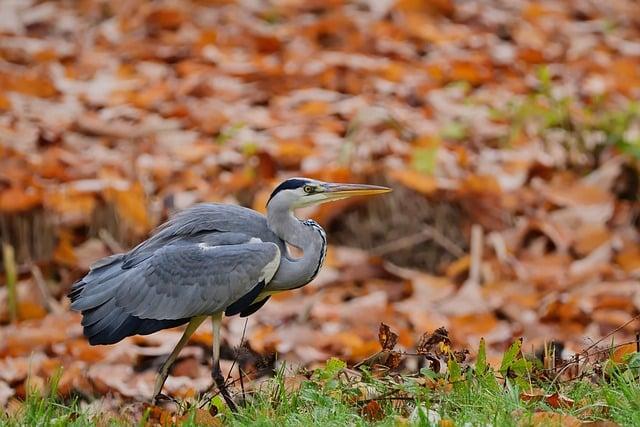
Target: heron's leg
{"points": [[163, 373], [216, 373]]}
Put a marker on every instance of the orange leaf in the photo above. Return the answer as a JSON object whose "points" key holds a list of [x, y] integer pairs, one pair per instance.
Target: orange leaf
{"points": [[30, 310], [314, 108], [589, 237], [64, 253], [629, 257], [482, 184], [444, 7], [470, 71], [19, 200], [131, 206], [5, 104], [621, 352], [543, 419], [458, 267], [28, 83], [394, 72], [473, 324], [292, 152], [72, 206], [81, 350], [166, 18], [425, 184]]}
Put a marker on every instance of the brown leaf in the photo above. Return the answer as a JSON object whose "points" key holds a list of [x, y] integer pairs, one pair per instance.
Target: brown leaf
{"points": [[394, 359], [544, 419], [556, 400], [372, 411], [434, 343], [166, 18], [387, 338], [202, 417]]}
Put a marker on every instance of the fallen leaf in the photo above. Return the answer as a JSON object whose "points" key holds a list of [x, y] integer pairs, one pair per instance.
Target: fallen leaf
{"points": [[387, 338], [372, 411], [425, 184], [540, 419], [131, 206]]}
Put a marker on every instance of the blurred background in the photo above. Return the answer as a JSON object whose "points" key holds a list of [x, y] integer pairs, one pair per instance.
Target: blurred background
{"points": [[509, 130]]}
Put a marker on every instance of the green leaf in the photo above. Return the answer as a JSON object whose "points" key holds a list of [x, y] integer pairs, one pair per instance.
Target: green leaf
{"points": [[632, 360], [428, 373], [454, 130], [481, 361], [510, 356], [424, 160], [331, 369]]}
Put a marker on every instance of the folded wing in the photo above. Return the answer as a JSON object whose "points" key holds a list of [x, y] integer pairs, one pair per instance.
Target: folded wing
{"points": [[170, 286]]}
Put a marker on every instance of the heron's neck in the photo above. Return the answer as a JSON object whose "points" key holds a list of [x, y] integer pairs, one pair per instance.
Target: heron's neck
{"points": [[306, 235]]}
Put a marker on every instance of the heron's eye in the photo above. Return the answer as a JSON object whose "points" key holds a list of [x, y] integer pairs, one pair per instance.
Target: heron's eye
{"points": [[308, 189]]}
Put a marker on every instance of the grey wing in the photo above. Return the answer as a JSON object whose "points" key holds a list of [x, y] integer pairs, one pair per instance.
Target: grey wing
{"points": [[202, 220], [187, 280]]}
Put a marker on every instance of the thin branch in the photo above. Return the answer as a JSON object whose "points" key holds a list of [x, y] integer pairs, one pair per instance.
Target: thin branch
{"points": [[110, 241], [49, 302]]}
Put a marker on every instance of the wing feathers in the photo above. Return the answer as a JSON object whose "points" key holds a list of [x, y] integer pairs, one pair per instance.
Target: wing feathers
{"points": [[245, 301], [173, 284]]}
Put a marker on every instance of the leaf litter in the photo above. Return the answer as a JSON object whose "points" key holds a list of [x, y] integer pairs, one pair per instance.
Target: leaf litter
{"points": [[523, 116]]}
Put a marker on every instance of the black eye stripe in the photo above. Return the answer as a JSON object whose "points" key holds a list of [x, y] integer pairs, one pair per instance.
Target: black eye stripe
{"points": [[290, 184]]}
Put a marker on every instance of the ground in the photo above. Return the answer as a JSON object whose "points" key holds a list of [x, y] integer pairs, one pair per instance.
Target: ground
{"points": [[510, 132]]}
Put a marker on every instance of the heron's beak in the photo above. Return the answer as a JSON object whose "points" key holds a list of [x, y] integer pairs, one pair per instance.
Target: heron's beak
{"points": [[342, 191]]}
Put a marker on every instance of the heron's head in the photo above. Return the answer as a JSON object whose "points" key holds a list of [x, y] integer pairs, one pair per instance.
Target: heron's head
{"points": [[302, 192]]}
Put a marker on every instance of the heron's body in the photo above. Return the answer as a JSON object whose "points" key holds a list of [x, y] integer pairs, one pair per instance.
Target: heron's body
{"points": [[189, 268], [207, 260]]}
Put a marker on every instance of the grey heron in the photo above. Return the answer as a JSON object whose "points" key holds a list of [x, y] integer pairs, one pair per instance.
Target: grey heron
{"points": [[209, 260]]}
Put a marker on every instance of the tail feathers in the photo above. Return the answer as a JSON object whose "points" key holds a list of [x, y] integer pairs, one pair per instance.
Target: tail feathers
{"points": [[100, 284], [103, 320], [109, 324]]}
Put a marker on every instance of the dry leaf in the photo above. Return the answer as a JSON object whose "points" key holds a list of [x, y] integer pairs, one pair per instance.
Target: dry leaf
{"points": [[387, 338], [372, 411], [425, 184], [540, 419]]}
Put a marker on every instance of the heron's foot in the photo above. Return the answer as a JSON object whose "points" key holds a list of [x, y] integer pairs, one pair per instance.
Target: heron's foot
{"points": [[219, 382]]}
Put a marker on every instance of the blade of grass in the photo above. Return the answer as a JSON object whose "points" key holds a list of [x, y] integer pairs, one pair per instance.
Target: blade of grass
{"points": [[9, 261]]}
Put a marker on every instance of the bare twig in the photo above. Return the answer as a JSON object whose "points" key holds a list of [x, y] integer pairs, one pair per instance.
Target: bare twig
{"points": [[49, 302], [110, 241]]}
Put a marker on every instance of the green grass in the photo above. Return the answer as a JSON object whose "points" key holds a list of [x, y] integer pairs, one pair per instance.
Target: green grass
{"points": [[335, 396]]}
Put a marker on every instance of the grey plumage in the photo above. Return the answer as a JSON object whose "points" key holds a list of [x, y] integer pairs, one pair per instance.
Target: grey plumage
{"points": [[190, 267], [195, 264], [207, 260]]}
